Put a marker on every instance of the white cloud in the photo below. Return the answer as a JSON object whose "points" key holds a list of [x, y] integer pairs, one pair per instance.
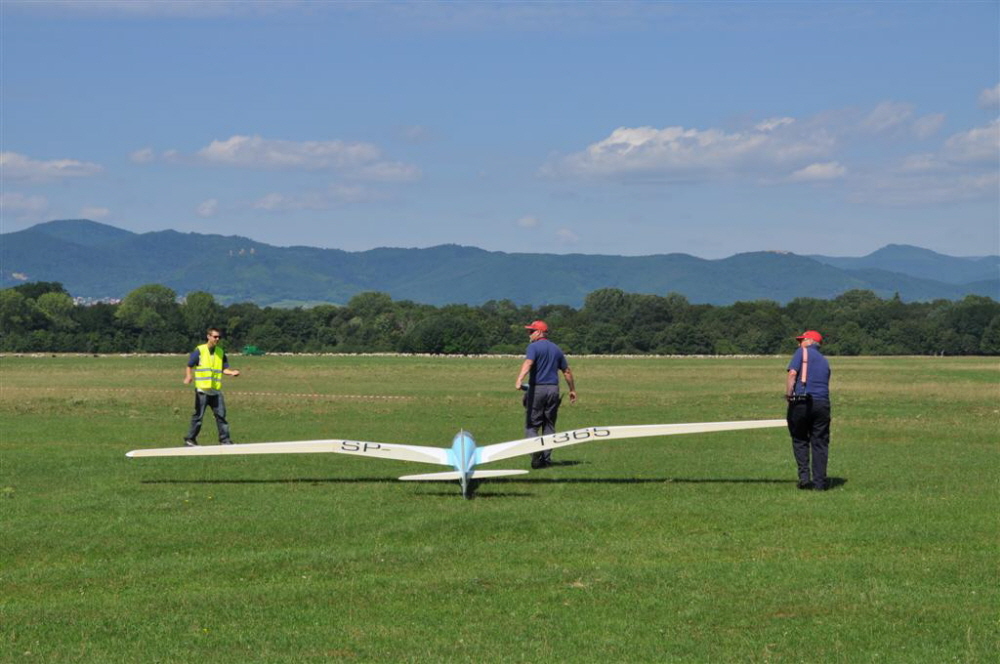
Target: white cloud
{"points": [[815, 149], [830, 170], [565, 236], [21, 206], [336, 195], [897, 118], [275, 202], [357, 160], [928, 125], [390, 171], [917, 163], [143, 156], [964, 168], [927, 189], [773, 123], [980, 144], [158, 8], [257, 152], [990, 97], [887, 116], [363, 161], [93, 212], [700, 154], [432, 15], [16, 166], [528, 221], [208, 208], [352, 193]]}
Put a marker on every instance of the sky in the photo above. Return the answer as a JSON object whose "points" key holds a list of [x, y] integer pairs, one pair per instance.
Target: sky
{"points": [[627, 128]]}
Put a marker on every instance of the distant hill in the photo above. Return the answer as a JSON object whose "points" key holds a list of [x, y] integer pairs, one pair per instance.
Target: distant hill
{"points": [[922, 263], [83, 232], [96, 260]]}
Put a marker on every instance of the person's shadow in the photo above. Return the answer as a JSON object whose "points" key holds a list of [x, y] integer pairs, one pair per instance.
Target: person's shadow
{"points": [[835, 483]]}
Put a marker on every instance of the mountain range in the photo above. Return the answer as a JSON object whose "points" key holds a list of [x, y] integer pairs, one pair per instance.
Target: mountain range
{"points": [[95, 260]]}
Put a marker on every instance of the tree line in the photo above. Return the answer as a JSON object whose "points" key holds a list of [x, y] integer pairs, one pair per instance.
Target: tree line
{"points": [[42, 317]]}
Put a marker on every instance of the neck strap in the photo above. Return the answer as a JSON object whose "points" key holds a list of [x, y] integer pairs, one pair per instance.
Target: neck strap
{"points": [[805, 364]]}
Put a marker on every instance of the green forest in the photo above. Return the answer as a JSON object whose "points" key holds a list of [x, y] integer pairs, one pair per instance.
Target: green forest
{"points": [[42, 317]]}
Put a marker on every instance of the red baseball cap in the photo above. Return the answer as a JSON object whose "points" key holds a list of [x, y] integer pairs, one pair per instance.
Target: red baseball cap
{"points": [[539, 325], [810, 334]]}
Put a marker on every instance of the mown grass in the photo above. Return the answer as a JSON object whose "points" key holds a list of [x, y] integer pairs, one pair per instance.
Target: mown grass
{"points": [[681, 549]]}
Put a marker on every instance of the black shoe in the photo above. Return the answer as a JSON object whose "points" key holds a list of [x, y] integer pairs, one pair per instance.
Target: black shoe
{"points": [[805, 484], [228, 442], [191, 442], [819, 487]]}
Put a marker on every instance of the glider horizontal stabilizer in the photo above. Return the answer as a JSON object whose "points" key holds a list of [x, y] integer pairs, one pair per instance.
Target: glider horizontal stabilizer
{"points": [[456, 475]]}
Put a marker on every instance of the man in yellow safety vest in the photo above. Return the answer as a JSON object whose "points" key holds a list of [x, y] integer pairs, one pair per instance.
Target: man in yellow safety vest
{"points": [[206, 366]]}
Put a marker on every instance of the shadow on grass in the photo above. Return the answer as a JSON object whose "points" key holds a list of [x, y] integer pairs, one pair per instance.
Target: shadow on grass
{"points": [[834, 483], [533, 480], [476, 489], [287, 480]]}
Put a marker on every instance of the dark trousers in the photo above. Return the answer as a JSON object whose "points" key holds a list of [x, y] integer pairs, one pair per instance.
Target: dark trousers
{"points": [[541, 408], [218, 405], [809, 425]]}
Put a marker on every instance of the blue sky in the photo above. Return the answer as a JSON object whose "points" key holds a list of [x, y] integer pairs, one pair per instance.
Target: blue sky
{"points": [[600, 128]]}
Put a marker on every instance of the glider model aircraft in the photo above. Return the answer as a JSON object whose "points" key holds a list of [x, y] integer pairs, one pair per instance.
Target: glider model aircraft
{"points": [[464, 455]]}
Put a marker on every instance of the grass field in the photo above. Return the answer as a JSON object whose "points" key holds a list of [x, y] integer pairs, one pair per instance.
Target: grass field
{"points": [[690, 548]]}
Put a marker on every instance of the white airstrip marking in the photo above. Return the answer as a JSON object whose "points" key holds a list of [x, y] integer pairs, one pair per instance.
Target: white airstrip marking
{"points": [[303, 395]]}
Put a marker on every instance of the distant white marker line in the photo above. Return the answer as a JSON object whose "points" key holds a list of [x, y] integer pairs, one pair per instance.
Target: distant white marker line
{"points": [[304, 395]]}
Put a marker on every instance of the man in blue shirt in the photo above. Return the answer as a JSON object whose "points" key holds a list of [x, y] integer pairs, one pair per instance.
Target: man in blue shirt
{"points": [[543, 362], [807, 390]]}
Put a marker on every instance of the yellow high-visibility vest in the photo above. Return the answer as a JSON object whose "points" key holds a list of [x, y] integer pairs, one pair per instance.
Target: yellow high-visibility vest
{"points": [[208, 373]]}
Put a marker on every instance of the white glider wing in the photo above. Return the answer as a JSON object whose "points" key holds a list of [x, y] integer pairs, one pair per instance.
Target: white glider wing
{"points": [[435, 455], [514, 448]]}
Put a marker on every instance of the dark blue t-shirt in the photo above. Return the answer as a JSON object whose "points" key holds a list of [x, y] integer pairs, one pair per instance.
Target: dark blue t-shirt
{"points": [[548, 361], [817, 377]]}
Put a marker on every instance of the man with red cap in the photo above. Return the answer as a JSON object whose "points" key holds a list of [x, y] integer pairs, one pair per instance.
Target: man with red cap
{"points": [[543, 362], [807, 390]]}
